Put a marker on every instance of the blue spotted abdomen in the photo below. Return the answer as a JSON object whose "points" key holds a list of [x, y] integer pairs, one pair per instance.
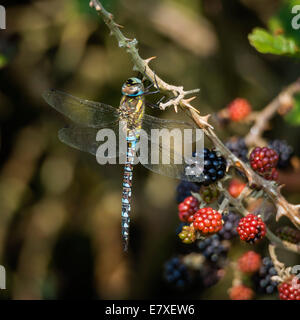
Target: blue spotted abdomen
{"points": [[127, 184]]}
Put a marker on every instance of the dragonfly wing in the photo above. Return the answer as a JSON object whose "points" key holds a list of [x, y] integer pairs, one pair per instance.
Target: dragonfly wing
{"points": [[170, 156], [150, 122], [83, 112], [93, 140], [175, 165]]}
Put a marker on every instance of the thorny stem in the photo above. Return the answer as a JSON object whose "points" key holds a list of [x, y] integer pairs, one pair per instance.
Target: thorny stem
{"points": [[283, 272], [263, 117], [179, 100], [141, 65]]}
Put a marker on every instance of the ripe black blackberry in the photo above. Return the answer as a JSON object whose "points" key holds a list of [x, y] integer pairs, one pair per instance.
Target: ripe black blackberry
{"points": [[231, 221], [284, 152], [213, 249], [176, 273], [184, 190], [210, 274], [238, 147], [262, 279], [214, 167], [289, 234]]}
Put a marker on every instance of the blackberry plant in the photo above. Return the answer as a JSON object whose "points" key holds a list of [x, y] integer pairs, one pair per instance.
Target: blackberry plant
{"points": [[260, 173]]}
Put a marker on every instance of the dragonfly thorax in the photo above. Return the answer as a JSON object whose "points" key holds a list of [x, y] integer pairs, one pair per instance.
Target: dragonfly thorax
{"points": [[131, 110]]}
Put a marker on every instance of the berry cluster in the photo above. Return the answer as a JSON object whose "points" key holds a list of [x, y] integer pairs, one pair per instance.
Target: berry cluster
{"points": [[263, 278], [213, 249], [240, 292], [239, 109], [251, 228], [188, 207], [284, 152], [184, 190], [214, 166], [238, 147], [290, 289], [264, 161], [207, 221], [176, 273], [231, 221], [209, 231], [249, 262]]}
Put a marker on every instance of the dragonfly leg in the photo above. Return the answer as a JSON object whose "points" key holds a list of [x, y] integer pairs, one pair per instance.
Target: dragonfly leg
{"points": [[155, 84], [152, 105], [155, 105]]}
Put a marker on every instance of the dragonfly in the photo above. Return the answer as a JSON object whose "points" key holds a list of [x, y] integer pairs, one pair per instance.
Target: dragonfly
{"points": [[88, 117]]}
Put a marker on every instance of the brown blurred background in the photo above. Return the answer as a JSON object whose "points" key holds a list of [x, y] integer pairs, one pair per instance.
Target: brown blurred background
{"points": [[59, 210]]}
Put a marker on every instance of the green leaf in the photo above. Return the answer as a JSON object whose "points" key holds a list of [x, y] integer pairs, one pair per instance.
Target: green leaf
{"points": [[282, 21], [293, 117], [265, 42]]}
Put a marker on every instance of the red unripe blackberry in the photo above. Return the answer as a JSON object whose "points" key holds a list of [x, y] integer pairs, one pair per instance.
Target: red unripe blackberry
{"points": [[207, 221], [249, 262], [240, 292], [290, 289], [251, 228], [239, 109], [188, 207], [263, 160], [236, 187]]}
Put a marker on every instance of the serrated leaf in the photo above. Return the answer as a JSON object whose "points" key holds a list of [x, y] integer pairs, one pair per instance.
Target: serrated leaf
{"points": [[265, 42], [293, 117]]}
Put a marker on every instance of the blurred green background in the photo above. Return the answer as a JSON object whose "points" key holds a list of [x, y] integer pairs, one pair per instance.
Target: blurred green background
{"points": [[59, 210]]}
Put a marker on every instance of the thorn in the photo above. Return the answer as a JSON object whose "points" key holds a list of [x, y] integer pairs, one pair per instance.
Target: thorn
{"points": [[190, 99], [149, 59], [98, 8], [119, 25], [205, 118], [91, 4]]}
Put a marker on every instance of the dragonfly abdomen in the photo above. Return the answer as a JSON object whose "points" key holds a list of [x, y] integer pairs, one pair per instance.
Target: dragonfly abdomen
{"points": [[127, 184]]}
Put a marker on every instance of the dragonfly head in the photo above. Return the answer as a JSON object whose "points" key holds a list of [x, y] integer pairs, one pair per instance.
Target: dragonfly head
{"points": [[133, 87]]}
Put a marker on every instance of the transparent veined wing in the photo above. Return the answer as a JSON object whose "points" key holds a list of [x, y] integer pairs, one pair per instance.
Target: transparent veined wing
{"points": [[83, 112], [100, 142], [170, 147]]}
